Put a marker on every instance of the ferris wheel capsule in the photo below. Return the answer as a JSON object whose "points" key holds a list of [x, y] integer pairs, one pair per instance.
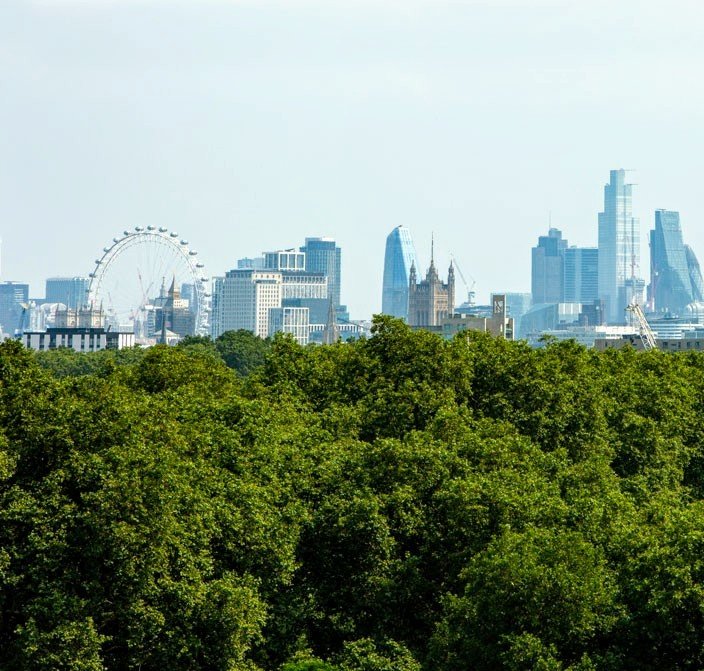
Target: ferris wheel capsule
{"points": [[150, 228], [173, 234], [162, 229]]}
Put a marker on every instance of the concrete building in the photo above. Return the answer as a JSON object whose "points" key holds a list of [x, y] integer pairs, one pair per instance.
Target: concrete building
{"points": [[79, 329], [498, 324], [290, 320], [243, 300]]}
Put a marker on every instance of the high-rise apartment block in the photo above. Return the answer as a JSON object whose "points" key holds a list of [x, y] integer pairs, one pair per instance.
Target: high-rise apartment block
{"points": [[547, 268], [675, 276], [619, 249], [71, 291], [400, 256], [431, 300]]}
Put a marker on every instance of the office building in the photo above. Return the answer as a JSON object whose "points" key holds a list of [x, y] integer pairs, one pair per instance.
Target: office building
{"points": [[580, 274], [430, 300], [324, 257], [248, 263], [71, 291], [293, 320], [399, 257], [675, 276], [14, 299], [243, 300], [547, 268], [619, 249], [306, 290], [517, 304], [286, 259], [81, 329]]}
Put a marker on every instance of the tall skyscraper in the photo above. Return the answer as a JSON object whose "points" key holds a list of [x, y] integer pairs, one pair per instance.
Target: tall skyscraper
{"points": [[547, 268], [675, 277], [71, 291], [581, 275], [324, 257], [400, 256], [619, 249]]}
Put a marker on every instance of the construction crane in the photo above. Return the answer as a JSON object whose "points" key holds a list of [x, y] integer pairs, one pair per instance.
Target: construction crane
{"points": [[470, 289], [646, 334]]}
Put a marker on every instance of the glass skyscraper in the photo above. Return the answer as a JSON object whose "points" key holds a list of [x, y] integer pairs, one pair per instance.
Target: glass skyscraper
{"points": [[675, 277], [399, 257], [71, 291], [619, 249], [13, 296], [581, 273], [547, 268], [324, 257]]}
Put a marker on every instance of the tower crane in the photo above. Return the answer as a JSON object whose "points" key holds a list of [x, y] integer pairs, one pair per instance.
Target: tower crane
{"points": [[470, 289], [646, 334]]}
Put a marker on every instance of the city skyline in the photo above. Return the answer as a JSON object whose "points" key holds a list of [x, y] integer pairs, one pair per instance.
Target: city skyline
{"points": [[239, 123]]}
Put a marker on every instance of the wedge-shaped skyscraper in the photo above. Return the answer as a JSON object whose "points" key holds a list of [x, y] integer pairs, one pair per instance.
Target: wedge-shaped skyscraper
{"points": [[400, 256], [675, 276]]}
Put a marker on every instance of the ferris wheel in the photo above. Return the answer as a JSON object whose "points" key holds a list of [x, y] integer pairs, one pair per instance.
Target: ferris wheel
{"points": [[137, 270]]}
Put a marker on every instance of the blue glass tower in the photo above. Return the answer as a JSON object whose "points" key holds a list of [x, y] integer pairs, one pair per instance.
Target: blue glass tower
{"points": [[619, 249], [324, 257], [399, 257], [71, 291], [675, 277]]}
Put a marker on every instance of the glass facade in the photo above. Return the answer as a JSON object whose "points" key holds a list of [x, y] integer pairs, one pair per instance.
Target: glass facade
{"points": [[324, 257], [675, 276], [547, 268], [399, 257], [619, 248], [13, 296], [581, 274], [71, 291]]}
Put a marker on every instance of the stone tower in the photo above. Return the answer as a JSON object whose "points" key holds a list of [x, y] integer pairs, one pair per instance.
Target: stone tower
{"points": [[431, 299]]}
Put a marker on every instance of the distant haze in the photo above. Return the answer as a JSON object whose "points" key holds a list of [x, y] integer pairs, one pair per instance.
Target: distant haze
{"points": [[249, 125]]}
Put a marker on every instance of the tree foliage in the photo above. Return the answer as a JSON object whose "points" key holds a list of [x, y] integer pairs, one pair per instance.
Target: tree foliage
{"points": [[397, 503]]}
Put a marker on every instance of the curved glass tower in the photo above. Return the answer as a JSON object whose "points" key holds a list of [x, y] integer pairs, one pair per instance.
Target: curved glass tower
{"points": [[400, 256]]}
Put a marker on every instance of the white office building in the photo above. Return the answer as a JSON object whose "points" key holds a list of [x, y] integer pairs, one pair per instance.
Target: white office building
{"points": [[243, 299]]}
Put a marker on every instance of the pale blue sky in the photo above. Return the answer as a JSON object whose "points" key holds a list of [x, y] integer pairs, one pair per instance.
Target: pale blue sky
{"points": [[247, 125]]}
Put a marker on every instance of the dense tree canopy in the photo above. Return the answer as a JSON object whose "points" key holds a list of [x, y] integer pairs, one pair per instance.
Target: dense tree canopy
{"points": [[398, 503]]}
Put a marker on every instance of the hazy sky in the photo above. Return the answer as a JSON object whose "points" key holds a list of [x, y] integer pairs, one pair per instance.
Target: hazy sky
{"points": [[248, 124]]}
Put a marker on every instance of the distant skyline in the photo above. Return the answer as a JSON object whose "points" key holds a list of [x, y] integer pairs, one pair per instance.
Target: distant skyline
{"points": [[249, 125]]}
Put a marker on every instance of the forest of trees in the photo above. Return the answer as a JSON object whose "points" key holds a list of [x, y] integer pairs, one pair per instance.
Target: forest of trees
{"points": [[398, 503]]}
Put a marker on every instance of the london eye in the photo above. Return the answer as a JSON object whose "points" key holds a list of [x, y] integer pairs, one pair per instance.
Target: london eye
{"points": [[143, 269]]}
